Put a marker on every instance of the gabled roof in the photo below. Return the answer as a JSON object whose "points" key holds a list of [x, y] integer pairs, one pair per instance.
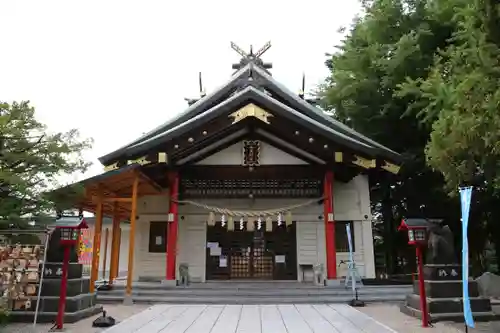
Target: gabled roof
{"points": [[202, 104], [316, 113], [248, 94], [248, 84]]}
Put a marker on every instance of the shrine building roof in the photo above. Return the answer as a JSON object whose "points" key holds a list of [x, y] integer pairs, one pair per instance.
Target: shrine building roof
{"points": [[250, 103], [252, 107]]}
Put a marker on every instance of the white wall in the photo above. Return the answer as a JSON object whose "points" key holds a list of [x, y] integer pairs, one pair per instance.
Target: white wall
{"points": [[123, 256], [269, 155], [351, 204], [149, 208]]}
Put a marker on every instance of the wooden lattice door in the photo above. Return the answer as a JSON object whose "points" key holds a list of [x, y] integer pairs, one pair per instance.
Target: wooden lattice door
{"points": [[240, 254], [249, 258], [261, 260], [245, 254]]}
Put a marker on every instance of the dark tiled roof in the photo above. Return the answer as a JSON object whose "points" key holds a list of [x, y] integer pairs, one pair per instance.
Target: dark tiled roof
{"points": [[245, 84]]}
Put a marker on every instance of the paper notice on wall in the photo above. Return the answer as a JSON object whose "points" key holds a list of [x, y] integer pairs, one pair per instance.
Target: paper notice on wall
{"points": [[158, 240], [212, 244], [279, 259], [223, 261], [215, 251]]}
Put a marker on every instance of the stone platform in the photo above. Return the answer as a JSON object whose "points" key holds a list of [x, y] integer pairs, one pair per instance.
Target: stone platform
{"points": [[443, 287], [271, 318], [80, 303]]}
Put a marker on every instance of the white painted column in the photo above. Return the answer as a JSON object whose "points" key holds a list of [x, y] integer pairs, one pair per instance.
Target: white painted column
{"points": [[369, 254]]}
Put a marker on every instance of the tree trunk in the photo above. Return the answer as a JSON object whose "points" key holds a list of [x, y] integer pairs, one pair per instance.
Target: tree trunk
{"points": [[493, 226], [391, 253]]}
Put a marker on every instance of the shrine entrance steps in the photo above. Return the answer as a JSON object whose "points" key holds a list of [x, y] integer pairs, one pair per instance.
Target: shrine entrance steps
{"points": [[269, 292]]}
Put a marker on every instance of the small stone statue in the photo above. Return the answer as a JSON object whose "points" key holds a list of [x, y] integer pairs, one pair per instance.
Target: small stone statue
{"points": [[184, 274], [441, 250], [319, 275]]}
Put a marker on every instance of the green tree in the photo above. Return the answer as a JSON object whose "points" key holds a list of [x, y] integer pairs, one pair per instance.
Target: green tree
{"points": [[393, 40], [31, 161], [461, 95], [463, 99]]}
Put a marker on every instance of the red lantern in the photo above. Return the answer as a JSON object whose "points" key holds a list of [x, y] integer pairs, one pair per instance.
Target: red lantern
{"points": [[417, 231]]}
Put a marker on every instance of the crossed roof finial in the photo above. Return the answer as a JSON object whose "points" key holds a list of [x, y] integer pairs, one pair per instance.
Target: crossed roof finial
{"points": [[251, 57]]}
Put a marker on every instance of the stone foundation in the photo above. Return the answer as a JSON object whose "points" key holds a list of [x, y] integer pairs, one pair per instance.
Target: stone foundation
{"points": [[80, 303], [443, 288]]}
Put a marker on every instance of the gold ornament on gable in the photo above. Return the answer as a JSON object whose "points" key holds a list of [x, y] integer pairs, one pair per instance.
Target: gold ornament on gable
{"points": [[251, 110]]}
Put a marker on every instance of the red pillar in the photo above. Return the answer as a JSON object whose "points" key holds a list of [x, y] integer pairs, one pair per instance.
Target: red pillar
{"points": [[172, 226], [64, 285], [421, 287], [331, 251]]}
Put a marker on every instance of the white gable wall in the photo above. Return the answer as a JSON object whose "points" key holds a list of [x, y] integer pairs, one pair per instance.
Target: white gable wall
{"points": [[269, 155]]}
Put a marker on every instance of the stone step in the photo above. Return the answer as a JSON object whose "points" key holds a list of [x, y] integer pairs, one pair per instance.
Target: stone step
{"points": [[251, 293], [449, 305], [456, 316], [187, 292], [106, 299], [446, 289], [257, 286]]}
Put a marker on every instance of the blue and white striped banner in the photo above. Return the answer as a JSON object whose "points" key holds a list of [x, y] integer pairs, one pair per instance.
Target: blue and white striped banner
{"points": [[349, 240], [351, 259], [465, 199]]}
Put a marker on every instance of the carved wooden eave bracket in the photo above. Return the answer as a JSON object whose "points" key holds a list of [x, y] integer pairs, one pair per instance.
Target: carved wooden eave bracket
{"points": [[144, 160], [364, 162], [392, 168], [251, 110], [367, 163]]}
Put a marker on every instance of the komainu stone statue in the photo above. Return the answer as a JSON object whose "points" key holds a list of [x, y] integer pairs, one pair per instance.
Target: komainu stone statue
{"points": [[441, 250]]}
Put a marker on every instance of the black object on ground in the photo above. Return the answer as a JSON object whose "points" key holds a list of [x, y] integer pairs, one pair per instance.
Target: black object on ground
{"points": [[356, 302], [105, 286], [104, 321]]}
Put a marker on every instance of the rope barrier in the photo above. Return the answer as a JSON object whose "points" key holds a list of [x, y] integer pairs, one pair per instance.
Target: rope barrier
{"points": [[248, 213]]}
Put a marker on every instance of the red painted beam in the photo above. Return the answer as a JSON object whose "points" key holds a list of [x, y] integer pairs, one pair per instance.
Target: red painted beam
{"points": [[172, 226], [331, 251]]}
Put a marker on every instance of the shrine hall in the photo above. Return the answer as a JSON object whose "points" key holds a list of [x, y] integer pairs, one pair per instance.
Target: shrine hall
{"points": [[250, 182]]}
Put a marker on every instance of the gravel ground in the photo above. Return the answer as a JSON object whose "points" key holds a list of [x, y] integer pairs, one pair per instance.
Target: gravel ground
{"points": [[389, 315], [119, 312], [487, 327]]}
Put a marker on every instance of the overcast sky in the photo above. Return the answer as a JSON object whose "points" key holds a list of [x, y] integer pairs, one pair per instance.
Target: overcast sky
{"points": [[116, 69]]}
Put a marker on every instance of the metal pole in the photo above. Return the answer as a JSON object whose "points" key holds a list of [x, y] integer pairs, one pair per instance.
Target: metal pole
{"points": [[353, 277], [47, 238]]}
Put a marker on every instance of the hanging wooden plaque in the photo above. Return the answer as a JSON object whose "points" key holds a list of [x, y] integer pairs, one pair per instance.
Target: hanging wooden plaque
{"points": [[251, 153]]}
